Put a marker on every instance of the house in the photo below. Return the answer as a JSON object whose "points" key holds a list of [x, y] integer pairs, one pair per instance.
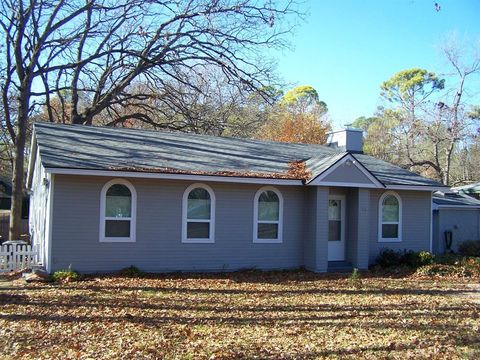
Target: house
{"points": [[456, 214], [106, 198], [472, 190]]}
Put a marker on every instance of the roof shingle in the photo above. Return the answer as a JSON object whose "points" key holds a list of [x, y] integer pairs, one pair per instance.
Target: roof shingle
{"points": [[105, 148]]}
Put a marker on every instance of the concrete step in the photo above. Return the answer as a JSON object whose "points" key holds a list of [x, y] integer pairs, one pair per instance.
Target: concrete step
{"points": [[339, 266]]}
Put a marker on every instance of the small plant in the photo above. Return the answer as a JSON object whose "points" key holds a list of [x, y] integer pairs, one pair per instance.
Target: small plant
{"points": [[425, 258], [65, 276], [132, 272], [354, 278], [469, 248]]}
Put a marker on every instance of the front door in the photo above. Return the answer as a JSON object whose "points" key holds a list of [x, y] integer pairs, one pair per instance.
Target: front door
{"points": [[336, 228]]}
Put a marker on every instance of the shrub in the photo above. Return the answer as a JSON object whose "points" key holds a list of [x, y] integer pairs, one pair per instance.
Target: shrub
{"points": [[132, 272], [469, 248], [65, 276], [425, 258], [388, 258]]}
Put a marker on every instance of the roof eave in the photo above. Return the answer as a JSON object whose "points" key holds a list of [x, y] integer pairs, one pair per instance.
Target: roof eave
{"points": [[175, 176], [32, 159]]}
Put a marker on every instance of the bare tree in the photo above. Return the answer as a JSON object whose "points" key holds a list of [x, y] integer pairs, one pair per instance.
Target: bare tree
{"points": [[453, 115], [95, 50], [210, 104]]}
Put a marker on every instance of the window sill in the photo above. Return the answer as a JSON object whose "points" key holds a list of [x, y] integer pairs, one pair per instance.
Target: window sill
{"points": [[119, 240], [198, 241], [267, 241], [389, 240]]}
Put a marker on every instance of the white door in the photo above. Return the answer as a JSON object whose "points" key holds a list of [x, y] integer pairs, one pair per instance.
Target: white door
{"points": [[336, 228]]}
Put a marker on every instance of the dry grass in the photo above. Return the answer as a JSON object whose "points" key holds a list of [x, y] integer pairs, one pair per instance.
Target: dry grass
{"points": [[292, 315]]}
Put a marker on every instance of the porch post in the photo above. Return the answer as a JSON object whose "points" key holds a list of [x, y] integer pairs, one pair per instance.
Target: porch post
{"points": [[361, 257], [321, 233]]}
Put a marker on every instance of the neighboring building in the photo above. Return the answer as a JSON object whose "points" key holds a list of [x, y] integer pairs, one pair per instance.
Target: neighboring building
{"points": [[457, 214], [106, 198], [472, 190], [5, 192]]}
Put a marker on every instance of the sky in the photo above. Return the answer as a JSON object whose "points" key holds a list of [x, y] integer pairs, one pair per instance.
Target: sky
{"points": [[346, 48]]}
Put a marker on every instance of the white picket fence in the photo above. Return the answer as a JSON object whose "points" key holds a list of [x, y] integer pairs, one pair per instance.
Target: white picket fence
{"points": [[17, 257]]}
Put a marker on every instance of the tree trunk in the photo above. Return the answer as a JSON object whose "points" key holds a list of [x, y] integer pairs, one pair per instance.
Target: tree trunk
{"points": [[18, 178], [448, 162]]}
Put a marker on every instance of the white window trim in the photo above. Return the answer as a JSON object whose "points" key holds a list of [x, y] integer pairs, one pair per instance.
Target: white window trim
{"points": [[380, 219], [132, 218], [280, 217], [211, 239]]}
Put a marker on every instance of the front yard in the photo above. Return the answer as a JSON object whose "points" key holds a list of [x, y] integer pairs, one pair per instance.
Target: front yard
{"points": [[241, 315]]}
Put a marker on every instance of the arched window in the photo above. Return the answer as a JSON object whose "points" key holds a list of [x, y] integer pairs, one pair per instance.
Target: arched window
{"points": [[268, 216], [198, 214], [390, 218], [118, 202]]}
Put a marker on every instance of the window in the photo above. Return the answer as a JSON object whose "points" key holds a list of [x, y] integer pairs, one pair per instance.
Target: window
{"points": [[390, 218], [334, 220], [268, 216], [117, 211], [198, 218]]}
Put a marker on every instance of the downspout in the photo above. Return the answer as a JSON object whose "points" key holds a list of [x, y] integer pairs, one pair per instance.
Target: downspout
{"points": [[431, 222]]}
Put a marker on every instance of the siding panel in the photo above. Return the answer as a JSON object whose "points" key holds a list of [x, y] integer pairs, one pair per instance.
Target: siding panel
{"points": [[415, 223], [158, 245]]}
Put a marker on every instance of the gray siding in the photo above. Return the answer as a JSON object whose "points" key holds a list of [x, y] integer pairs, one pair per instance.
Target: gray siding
{"points": [[464, 224], [309, 254], [352, 225], [416, 213], [363, 229], [158, 246], [347, 174], [321, 236]]}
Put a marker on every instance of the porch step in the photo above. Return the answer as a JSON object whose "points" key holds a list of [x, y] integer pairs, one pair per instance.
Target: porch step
{"points": [[339, 266]]}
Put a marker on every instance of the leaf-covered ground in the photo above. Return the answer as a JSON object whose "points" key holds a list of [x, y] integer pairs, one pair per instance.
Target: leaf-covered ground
{"points": [[291, 315]]}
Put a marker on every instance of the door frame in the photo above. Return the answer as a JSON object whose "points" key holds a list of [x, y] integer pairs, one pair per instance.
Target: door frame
{"points": [[343, 219]]}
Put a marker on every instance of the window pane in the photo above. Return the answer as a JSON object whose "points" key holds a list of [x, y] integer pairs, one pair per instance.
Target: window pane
{"points": [[117, 228], [390, 208], [267, 231], [118, 202], [389, 231], [334, 209], [334, 230], [198, 230], [268, 206], [198, 204]]}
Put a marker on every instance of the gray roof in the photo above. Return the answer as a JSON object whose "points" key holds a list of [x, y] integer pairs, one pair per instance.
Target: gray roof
{"points": [[106, 148], [454, 199], [468, 189]]}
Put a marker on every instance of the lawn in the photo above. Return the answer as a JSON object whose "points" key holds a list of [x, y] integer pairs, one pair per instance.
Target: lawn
{"points": [[284, 315]]}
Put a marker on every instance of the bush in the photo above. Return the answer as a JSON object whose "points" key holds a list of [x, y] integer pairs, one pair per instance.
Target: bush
{"points": [[469, 248], [425, 258], [65, 276], [389, 258], [132, 272]]}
